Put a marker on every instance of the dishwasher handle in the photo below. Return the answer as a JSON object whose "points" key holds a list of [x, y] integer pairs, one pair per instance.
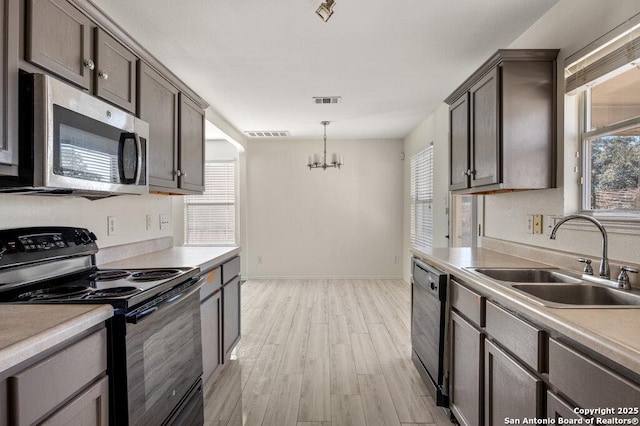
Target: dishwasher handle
{"points": [[430, 279]]}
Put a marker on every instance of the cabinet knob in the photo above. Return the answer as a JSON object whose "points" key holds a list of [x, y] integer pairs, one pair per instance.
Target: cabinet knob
{"points": [[181, 173], [103, 75], [89, 64]]}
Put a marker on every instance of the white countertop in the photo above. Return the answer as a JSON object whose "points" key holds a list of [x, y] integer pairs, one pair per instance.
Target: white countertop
{"points": [[611, 332], [28, 330], [178, 257]]}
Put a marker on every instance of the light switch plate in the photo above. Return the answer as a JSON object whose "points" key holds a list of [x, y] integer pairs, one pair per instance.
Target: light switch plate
{"points": [[537, 224], [164, 221], [112, 226]]}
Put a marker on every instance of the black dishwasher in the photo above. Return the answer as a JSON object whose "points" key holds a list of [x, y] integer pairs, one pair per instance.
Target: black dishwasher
{"points": [[428, 327]]}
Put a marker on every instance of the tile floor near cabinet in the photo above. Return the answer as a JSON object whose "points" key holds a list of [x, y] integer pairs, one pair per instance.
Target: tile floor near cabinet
{"points": [[323, 353]]}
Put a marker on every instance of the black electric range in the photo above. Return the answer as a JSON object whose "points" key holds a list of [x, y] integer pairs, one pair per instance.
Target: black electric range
{"points": [[154, 359]]}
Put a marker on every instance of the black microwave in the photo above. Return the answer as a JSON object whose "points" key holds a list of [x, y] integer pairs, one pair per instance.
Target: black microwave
{"points": [[74, 143]]}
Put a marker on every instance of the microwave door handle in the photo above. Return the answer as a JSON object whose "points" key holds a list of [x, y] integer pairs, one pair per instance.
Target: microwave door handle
{"points": [[138, 158], [124, 136]]}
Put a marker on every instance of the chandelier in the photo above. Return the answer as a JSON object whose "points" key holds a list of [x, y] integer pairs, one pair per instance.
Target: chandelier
{"points": [[314, 162]]}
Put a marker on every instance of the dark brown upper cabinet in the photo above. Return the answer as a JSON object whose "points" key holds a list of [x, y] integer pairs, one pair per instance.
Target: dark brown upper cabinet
{"points": [[115, 73], [158, 106], [191, 159], [176, 134], [63, 40], [9, 87], [502, 120]]}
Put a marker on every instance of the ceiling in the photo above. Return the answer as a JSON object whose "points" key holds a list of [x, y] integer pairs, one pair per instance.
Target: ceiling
{"points": [[259, 62]]}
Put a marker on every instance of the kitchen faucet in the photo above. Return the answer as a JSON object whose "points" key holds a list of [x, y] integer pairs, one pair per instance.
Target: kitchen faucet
{"points": [[604, 263]]}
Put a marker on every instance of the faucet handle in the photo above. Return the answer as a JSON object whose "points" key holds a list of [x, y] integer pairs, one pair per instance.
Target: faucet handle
{"points": [[623, 278], [587, 265]]}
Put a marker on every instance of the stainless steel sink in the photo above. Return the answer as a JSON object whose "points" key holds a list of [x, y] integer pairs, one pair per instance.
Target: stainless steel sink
{"points": [[528, 275], [580, 294]]}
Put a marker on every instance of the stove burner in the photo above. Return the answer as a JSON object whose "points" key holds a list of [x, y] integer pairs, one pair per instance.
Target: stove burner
{"points": [[154, 274], [112, 292], [61, 292], [109, 275]]}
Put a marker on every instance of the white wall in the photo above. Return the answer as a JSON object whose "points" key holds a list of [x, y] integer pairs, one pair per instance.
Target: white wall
{"points": [[332, 223], [130, 211], [434, 129], [570, 25]]}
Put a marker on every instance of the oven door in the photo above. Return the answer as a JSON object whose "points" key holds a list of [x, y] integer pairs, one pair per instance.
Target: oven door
{"points": [[83, 143], [164, 355]]}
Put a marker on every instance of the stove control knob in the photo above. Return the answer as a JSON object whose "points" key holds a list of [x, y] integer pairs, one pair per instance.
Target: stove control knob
{"points": [[85, 238], [92, 236]]}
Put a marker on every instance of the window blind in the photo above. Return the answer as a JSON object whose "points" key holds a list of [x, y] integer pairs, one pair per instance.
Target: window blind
{"points": [[615, 56], [422, 198], [210, 218]]}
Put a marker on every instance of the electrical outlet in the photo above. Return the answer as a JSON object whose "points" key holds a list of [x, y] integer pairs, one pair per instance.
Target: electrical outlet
{"points": [[529, 224], [259, 259], [537, 224], [112, 225], [396, 259], [164, 221], [148, 222]]}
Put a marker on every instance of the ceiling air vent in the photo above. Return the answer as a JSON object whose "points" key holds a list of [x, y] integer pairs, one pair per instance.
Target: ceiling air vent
{"points": [[326, 100], [267, 133]]}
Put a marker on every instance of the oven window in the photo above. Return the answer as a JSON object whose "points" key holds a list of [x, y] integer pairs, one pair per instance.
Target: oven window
{"points": [[90, 150]]}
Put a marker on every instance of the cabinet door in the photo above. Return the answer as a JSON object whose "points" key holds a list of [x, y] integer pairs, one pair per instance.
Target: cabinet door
{"points": [[558, 408], [191, 171], [115, 72], [510, 391], [466, 372], [91, 407], [459, 143], [59, 40], [9, 87], [158, 106], [231, 315], [485, 133], [210, 311]]}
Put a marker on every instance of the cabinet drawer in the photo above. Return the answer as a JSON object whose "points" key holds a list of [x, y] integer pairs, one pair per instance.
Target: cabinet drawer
{"points": [[42, 387], [468, 303], [587, 383], [212, 282], [520, 338], [230, 269]]}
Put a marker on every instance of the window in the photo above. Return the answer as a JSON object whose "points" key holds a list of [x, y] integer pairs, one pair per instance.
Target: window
{"points": [[608, 81], [422, 198], [210, 219]]}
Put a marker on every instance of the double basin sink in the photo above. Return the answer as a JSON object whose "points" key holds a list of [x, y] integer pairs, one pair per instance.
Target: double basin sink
{"points": [[559, 289]]}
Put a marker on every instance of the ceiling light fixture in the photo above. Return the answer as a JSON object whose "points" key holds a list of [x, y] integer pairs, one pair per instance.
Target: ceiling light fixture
{"points": [[313, 161], [326, 10]]}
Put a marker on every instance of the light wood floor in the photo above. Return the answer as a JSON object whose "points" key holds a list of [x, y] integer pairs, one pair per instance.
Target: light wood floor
{"points": [[323, 353]]}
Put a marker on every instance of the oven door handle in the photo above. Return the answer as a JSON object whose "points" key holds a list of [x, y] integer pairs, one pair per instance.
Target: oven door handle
{"points": [[136, 317]]}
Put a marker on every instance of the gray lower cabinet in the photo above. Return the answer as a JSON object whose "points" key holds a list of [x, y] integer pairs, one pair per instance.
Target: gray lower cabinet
{"points": [[231, 315], [68, 387], [9, 87], [590, 384], [510, 390], [558, 408], [465, 375], [211, 325]]}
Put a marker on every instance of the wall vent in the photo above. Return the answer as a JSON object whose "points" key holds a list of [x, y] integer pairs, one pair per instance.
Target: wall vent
{"points": [[327, 100], [267, 133]]}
